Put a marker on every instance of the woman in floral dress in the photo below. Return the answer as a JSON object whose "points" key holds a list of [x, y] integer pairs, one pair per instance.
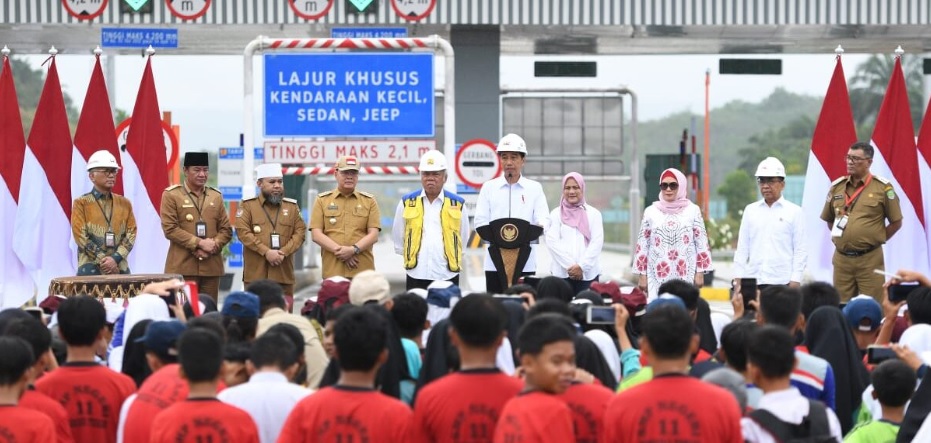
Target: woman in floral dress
{"points": [[673, 243]]}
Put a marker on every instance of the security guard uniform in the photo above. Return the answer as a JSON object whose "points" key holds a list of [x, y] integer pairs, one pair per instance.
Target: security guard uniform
{"points": [[867, 204], [183, 212], [256, 224], [345, 219]]}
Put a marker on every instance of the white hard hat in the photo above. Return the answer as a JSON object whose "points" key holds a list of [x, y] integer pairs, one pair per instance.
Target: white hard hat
{"points": [[771, 167], [512, 143], [433, 160], [268, 170], [102, 159]]}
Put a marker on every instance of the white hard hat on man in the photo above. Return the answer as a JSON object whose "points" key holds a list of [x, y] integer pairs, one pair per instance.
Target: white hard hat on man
{"points": [[771, 167], [432, 161], [102, 159], [512, 143]]}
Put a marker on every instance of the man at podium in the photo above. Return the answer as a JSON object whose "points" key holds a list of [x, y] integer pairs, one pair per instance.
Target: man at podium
{"points": [[510, 196]]}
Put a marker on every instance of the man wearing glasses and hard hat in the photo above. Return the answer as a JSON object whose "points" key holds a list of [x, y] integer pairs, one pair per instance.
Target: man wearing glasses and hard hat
{"points": [[430, 226]]}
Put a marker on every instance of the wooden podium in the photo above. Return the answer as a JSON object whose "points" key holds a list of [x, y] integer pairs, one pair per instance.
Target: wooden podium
{"points": [[509, 246]]}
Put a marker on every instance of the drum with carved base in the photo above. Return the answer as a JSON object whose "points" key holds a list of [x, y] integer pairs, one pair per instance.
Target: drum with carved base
{"points": [[106, 286]]}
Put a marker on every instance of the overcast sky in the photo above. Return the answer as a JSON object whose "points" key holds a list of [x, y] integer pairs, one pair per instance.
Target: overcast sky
{"points": [[205, 94]]}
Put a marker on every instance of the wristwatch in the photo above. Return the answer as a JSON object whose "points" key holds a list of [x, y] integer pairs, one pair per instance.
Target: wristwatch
{"points": [[356, 249]]}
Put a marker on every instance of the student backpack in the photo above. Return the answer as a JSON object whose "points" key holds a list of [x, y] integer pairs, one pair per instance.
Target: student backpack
{"points": [[814, 428]]}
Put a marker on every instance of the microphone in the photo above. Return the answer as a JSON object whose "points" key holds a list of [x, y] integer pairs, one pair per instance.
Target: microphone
{"points": [[510, 175]]}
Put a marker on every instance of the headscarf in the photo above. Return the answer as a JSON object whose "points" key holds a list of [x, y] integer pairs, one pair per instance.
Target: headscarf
{"points": [[574, 215], [828, 336], [681, 202]]}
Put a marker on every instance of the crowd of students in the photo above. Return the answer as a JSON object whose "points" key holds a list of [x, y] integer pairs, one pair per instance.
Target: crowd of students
{"points": [[438, 366]]}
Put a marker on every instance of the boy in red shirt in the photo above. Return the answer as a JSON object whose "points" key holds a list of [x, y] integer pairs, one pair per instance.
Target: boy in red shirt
{"points": [[40, 340], [16, 422], [547, 358], [202, 417], [92, 394], [464, 406], [672, 406], [352, 410]]}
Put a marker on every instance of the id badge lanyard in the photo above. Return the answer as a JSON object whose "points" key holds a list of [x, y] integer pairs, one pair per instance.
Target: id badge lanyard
{"points": [[109, 238], [200, 228], [275, 238]]}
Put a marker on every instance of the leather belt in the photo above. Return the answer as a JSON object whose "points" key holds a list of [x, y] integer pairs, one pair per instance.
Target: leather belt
{"points": [[858, 253]]}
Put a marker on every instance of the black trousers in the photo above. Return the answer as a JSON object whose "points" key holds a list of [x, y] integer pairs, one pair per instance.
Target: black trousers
{"points": [[422, 284], [493, 286]]}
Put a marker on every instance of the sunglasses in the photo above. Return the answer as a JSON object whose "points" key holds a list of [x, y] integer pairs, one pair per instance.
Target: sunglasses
{"points": [[671, 186]]}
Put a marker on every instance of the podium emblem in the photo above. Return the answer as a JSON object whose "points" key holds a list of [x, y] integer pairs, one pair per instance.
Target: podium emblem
{"points": [[509, 232]]}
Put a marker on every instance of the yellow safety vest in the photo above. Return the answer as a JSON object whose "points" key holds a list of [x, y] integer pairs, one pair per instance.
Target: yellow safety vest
{"points": [[450, 221]]}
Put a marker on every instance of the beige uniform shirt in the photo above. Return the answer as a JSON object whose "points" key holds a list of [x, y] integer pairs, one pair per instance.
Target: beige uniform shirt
{"points": [[345, 219], [255, 223], [866, 216], [180, 211]]}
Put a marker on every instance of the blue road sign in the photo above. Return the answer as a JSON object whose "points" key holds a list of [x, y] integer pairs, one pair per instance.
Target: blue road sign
{"points": [[235, 258], [368, 33], [349, 95], [138, 38]]}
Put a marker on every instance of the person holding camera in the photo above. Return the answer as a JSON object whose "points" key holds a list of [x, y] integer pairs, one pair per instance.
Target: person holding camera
{"points": [[771, 242]]}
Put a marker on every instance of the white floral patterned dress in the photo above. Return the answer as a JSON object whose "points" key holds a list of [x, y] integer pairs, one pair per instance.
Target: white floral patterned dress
{"points": [[671, 246]]}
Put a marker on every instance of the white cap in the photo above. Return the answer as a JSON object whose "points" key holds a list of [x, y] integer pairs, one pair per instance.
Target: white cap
{"points": [[771, 167], [433, 160], [268, 170], [512, 143], [102, 159]]}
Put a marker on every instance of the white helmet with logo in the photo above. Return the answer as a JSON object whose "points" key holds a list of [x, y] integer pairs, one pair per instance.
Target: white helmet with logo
{"points": [[102, 159], [433, 160], [771, 167], [512, 143]]}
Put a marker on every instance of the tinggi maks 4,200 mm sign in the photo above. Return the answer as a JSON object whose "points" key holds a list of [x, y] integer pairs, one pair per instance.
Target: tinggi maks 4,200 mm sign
{"points": [[349, 95]]}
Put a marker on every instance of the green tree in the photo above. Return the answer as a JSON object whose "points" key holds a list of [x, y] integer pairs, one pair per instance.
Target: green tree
{"points": [[738, 190], [868, 87], [789, 143]]}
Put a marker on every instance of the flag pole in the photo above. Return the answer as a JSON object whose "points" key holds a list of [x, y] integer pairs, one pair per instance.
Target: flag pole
{"points": [[705, 173]]}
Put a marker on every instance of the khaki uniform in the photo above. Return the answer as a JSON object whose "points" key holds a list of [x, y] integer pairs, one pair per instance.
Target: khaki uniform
{"points": [[254, 227], [180, 211], [345, 220], [858, 251]]}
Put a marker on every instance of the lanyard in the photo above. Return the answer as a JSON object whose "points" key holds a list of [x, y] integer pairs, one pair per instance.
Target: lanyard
{"points": [[850, 200], [269, 217], [199, 209], [105, 216]]}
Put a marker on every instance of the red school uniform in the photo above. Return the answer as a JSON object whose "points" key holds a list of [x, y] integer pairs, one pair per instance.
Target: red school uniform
{"points": [[588, 403], [91, 395], [203, 420], [347, 414], [19, 424], [673, 407], [162, 389], [535, 417], [462, 407], [38, 401]]}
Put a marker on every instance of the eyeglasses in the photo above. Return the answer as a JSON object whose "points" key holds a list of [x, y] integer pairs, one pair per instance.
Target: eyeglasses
{"points": [[108, 171], [855, 159], [672, 186], [768, 180]]}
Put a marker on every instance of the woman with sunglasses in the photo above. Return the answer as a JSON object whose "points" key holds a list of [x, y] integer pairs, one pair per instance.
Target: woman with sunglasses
{"points": [[673, 243]]}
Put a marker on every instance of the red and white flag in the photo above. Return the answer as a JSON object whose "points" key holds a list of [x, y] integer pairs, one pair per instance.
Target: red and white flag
{"points": [[924, 169], [42, 231], [95, 132], [16, 285], [896, 159], [834, 133], [146, 177]]}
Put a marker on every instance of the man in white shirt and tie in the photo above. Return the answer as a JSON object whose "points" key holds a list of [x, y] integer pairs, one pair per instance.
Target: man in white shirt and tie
{"points": [[510, 196], [771, 242]]}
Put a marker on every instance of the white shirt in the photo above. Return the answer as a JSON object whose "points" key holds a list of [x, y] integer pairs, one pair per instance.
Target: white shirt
{"points": [[789, 406], [527, 201], [268, 397], [124, 413], [431, 261], [567, 245], [771, 243]]}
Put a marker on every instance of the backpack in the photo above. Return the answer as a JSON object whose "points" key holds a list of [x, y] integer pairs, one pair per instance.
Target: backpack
{"points": [[814, 428]]}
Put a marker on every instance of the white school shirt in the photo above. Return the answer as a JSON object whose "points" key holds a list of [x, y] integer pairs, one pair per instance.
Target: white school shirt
{"points": [[771, 243], [789, 406], [567, 245], [527, 201], [268, 398], [431, 261]]}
